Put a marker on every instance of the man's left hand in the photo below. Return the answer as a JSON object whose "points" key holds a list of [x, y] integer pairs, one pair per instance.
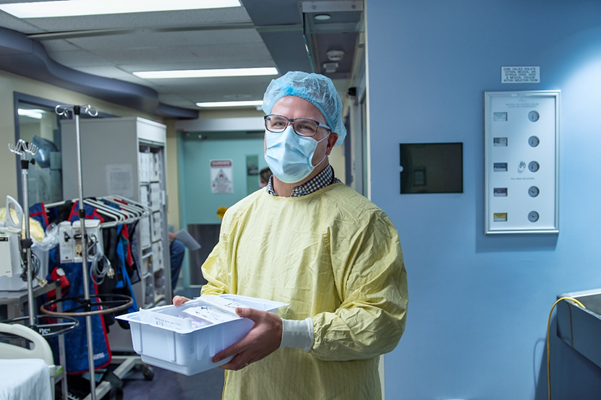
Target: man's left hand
{"points": [[263, 339]]}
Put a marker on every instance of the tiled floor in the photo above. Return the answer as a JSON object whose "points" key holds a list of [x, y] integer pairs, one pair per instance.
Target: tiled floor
{"points": [[169, 385], [166, 385]]}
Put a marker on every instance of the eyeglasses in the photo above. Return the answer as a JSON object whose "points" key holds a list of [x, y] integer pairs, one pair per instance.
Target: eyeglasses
{"points": [[302, 126]]}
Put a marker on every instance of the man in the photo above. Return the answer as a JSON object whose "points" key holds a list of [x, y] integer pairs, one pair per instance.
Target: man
{"points": [[310, 241], [264, 176], [177, 251]]}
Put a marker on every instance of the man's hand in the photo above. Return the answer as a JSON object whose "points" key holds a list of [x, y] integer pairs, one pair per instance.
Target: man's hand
{"points": [[179, 300], [263, 339]]}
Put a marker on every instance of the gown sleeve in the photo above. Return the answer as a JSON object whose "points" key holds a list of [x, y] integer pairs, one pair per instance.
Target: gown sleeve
{"points": [[371, 281], [214, 271]]}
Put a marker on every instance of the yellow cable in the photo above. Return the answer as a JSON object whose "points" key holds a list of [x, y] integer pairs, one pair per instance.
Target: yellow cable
{"points": [[548, 329]]}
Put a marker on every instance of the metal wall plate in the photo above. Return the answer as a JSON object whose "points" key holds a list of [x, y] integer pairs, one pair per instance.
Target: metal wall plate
{"points": [[521, 161]]}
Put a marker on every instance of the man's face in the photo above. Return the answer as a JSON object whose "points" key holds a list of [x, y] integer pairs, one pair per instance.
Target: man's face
{"points": [[294, 107]]}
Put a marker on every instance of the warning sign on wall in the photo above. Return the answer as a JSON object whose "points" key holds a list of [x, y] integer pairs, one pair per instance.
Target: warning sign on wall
{"points": [[222, 177], [520, 74]]}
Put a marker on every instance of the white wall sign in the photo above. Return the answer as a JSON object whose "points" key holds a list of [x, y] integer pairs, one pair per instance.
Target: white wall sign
{"points": [[521, 162], [520, 74], [222, 177]]}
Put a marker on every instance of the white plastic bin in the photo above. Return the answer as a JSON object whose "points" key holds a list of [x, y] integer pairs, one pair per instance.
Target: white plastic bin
{"points": [[188, 350], [14, 283]]}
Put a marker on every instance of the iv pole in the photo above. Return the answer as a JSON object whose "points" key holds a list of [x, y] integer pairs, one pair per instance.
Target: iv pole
{"points": [[84, 244], [86, 304], [32, 149], [23, 148], [54, 328], [84, 239]]}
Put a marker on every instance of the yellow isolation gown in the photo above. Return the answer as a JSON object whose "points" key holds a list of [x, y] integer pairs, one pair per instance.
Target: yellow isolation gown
{"points": [[333, 256]]}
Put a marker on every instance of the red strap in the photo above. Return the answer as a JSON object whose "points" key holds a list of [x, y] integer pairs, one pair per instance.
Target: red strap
{"points": [[42, 212], [65, 285], [73, 212], [97, 216], [94, 214], [129, 257]]}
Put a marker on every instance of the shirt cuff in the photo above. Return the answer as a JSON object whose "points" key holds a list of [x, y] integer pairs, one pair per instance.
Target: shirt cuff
{"points": [[297, 334]]}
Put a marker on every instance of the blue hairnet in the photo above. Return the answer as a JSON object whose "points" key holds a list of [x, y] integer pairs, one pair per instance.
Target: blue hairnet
{"points": [[316, 89]]}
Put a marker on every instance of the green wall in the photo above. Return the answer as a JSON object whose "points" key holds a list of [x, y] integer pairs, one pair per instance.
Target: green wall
{"points": [[198, 204]]}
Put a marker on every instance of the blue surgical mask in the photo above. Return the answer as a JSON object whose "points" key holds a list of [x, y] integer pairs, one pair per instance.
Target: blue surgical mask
{"points": [[289, 155]]}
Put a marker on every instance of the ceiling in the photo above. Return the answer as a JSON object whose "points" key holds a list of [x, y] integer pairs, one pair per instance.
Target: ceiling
{"points": [[96, 55]]}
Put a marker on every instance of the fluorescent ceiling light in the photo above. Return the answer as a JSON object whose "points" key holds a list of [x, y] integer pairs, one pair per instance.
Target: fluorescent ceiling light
{"points": [[37, 114], [73, 8], [251, 103], [206, 73]]}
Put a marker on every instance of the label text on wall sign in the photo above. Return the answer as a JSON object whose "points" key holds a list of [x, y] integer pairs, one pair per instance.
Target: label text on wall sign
{"points": [[520, 74]]}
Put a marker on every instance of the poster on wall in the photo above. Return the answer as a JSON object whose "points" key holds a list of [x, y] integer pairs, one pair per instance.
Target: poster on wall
{"points": [[521, 162], [222, 177], [120, 180]]}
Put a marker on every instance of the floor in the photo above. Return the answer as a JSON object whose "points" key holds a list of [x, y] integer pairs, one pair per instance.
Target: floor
{"points": [[207, 385]]}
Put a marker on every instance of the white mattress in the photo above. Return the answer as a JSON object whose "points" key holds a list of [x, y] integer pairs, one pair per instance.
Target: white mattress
{"points": [[24, 379]]}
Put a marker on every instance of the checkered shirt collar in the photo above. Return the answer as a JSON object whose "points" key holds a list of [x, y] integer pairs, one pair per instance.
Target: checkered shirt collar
{"points": [[319, 181]]}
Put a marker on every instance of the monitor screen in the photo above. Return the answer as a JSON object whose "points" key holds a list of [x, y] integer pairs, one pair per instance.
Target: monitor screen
{"points": [[431, 168]]}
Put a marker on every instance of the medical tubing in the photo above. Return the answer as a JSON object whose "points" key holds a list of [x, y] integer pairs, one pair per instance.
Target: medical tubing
{"points": [[94, 263], [35, 268], [97, 271], [548, 329]]}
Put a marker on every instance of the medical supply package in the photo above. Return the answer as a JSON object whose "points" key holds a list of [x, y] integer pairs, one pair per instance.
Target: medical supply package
{"points": [[185, 338]]}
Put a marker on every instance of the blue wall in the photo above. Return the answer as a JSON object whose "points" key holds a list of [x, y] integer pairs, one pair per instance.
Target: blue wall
{"points": [[479, 304]]}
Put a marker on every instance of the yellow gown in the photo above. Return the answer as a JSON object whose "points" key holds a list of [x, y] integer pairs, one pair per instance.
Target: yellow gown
{"points": [[333, 256]]}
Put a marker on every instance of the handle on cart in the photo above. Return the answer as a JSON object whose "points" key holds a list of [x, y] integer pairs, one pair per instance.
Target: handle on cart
{"points": [[10, 222]]}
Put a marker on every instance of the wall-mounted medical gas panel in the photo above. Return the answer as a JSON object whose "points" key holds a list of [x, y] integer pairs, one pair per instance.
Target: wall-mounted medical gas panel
{"points": [[521, 162]]}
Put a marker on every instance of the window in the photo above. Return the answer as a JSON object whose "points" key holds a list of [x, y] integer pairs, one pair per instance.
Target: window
{"points": [[37, 123]]}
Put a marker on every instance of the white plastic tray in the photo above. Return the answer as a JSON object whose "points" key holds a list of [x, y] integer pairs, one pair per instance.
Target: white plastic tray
{"points": [[164, 339]]}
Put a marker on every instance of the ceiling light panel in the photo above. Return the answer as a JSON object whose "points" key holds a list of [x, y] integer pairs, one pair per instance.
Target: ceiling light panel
{"points": [[147, 21], [207, 73], [31, 113], [251, 103], [50, 9], [152, 39]]}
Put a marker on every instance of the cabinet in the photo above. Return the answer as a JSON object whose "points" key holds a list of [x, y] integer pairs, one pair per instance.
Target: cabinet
{"points": [[126, 156]]}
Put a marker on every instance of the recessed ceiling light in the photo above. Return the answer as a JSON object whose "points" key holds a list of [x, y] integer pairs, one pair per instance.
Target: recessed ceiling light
{"points": [[250, 103], [48, 9], [37, 114], [206, 73], [323, 17]]}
